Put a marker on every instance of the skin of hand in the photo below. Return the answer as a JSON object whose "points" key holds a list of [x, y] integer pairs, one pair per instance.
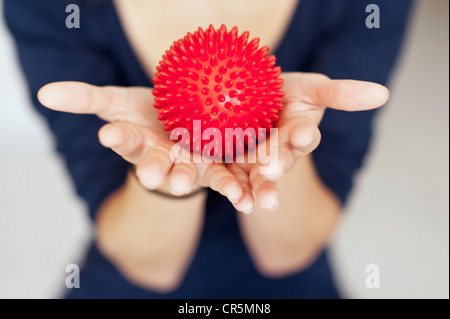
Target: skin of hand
{"points": [[307, 212], [135, 133], [149, 238], [307, 95]]}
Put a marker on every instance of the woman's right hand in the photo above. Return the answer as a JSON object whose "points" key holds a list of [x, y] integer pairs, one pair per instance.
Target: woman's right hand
{"points": [[135, 133]]}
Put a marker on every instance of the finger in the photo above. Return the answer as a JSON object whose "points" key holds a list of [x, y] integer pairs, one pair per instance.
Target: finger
{"points": [[247, 201], [265, 190], [304, 137], [298, 136], [346, 95], [300, 132], [154, 167], [350, 95], [220, 179], [129, 141], [280, 160], [181, 178], [275, 156], [110, 103]]}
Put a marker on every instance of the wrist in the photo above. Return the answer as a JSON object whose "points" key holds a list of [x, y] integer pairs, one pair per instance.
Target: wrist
{"points": [[164, 189]]}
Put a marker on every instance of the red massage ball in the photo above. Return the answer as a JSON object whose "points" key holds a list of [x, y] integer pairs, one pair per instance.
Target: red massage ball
{"points": [[222, 80]]}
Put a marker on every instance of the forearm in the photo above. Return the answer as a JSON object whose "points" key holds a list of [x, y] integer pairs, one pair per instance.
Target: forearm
{"points": [[288, 239], [150, 238]]}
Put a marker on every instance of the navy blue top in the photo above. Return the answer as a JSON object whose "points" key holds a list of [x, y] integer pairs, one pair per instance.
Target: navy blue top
{"points": [[324, 36]]}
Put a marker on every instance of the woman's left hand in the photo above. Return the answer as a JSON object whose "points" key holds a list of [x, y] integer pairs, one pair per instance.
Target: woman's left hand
{"points": [[307, 95]]}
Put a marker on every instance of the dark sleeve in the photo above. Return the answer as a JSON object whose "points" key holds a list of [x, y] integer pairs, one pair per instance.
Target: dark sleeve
{"points": [[352, 51], [50, 52]]}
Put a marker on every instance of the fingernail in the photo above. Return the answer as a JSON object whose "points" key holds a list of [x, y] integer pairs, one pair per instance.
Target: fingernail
{"points": [[274, 207], [149, 183], [233, 196], [178, 188], [179, 191], [150, 186], [305, 140], [271, 203]]}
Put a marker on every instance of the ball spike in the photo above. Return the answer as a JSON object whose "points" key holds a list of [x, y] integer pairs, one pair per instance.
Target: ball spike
{"points": [[221, 79]]}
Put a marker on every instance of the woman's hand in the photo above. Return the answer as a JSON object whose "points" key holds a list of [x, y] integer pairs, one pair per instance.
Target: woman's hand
{"points": [[135, 133], [307, 95], [288, 241], [149, 238]]}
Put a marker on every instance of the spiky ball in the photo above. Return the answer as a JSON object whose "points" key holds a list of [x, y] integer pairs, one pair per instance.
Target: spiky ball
{"points": [[221, 79]]}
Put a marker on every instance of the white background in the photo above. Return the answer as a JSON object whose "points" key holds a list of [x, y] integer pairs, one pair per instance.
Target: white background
{"points": [[397, 218]]}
